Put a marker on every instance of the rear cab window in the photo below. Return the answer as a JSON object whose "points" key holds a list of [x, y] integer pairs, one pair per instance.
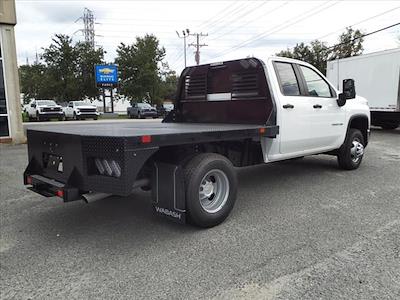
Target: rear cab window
{"points": [[288, 81]]}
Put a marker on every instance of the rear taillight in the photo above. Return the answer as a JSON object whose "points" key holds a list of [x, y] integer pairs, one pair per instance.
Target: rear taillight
{"points": [[108, 167], [29, 180]]}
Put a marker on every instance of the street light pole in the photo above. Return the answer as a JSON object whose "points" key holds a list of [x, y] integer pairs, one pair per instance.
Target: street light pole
{"points": [[185, 34]]}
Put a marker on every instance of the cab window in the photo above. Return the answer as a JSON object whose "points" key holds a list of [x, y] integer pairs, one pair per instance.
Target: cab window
{"points": [[287, 79], [315, 84]]}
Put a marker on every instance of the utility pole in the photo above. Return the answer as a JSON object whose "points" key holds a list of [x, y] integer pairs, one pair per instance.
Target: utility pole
{"points": [[88, 26], [185, 34], [198, 45]]}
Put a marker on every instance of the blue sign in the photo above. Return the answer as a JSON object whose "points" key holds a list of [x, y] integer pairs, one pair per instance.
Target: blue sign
{"points": [[106, 75]]}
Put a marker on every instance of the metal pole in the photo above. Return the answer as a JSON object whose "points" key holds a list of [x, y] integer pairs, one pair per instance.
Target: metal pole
{"points": [[184, 49], [112, 100], [104, 100], [198, 51]]}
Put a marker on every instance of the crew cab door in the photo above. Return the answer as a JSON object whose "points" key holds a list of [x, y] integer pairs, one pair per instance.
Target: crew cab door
{"points": [[327, 121], [294, 111]]}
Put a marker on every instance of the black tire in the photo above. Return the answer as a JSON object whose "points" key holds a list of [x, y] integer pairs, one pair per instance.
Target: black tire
{"points": [[195, 171], [95, 118], [346, 159]]}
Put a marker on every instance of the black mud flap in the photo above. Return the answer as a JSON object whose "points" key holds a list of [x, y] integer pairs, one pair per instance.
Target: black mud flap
{"points": [[168, 192]]}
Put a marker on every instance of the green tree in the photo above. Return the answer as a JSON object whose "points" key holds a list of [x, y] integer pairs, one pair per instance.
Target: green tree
{"points": [[67, 71], [87, 58], [168, 84], [34, 82], [350, 44], [139, 67], [61, 61], [316, 54]]}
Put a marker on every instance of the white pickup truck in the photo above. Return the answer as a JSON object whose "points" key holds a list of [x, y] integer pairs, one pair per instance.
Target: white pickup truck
{"points": [[227, 114], [80, 110], [42, 110]]}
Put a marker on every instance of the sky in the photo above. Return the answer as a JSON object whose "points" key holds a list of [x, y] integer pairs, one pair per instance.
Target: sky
{"points": [[235, 28]]}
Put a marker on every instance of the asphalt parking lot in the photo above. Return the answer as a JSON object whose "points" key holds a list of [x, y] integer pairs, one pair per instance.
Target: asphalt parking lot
{"points": [[301, 229]]}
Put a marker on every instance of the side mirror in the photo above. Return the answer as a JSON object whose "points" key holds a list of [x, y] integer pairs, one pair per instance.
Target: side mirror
{"points": [[349, 92], [33, 105]]}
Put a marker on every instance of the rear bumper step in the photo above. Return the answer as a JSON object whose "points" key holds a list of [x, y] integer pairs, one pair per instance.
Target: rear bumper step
{"points": [[49, 188]]}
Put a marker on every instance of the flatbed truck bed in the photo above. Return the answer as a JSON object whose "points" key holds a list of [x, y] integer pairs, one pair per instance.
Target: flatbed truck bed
{"points": [[135, 129]]}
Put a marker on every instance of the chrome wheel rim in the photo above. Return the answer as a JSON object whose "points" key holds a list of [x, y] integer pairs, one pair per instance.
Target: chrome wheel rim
{"points": [[356, 150], [213, 191]]}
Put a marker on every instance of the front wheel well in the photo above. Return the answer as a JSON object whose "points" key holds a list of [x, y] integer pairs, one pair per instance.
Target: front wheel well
{"points": [[361, 123]]}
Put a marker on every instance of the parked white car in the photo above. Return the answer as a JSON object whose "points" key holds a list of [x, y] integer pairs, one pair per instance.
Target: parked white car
{"points": [[80, 110], [41, 110]]}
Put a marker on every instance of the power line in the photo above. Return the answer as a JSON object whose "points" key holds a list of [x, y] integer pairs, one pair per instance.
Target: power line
{"points": [[250, 21], [364, 35], [230, 9], [360, 22], [240, 14], [278, 27], [218, 14]]}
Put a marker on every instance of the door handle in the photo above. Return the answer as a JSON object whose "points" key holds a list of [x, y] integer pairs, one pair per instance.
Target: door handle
{"points": [[317, 106], [288, 106]]}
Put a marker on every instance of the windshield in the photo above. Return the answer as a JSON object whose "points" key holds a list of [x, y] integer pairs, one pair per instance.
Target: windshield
{"points": [[144, 105], [80, 103], [168, 106], [46, 102]]}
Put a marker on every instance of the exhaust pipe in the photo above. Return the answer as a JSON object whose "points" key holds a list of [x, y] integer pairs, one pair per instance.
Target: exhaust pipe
{"points": [[94, 196]]}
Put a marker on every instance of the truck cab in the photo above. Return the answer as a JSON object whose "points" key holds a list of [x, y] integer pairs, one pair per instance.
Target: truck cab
{"points": [[80, 110], [310, 119], [42, 110]]}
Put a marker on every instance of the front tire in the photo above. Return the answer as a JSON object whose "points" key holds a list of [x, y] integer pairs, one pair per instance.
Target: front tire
{"points": [[211, 187], [352, 151]]}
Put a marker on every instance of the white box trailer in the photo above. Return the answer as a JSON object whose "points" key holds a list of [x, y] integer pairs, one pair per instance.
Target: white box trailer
{"points": [[377, 78]]}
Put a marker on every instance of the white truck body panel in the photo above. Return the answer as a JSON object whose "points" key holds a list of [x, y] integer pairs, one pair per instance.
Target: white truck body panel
{"points": [[376, 75]]}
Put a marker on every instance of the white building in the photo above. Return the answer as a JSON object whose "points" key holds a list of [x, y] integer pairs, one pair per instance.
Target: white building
{"points": [[10, 107]]}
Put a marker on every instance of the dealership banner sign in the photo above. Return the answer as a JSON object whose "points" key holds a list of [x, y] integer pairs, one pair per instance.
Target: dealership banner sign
{"points": [[106, 75]]}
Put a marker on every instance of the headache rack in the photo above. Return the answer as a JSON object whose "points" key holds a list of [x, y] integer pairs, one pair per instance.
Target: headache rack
{"points": [[227, 92]]}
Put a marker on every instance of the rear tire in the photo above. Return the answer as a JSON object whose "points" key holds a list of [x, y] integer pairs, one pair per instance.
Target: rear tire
{"points": [[211, 187], [352, 151]]}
